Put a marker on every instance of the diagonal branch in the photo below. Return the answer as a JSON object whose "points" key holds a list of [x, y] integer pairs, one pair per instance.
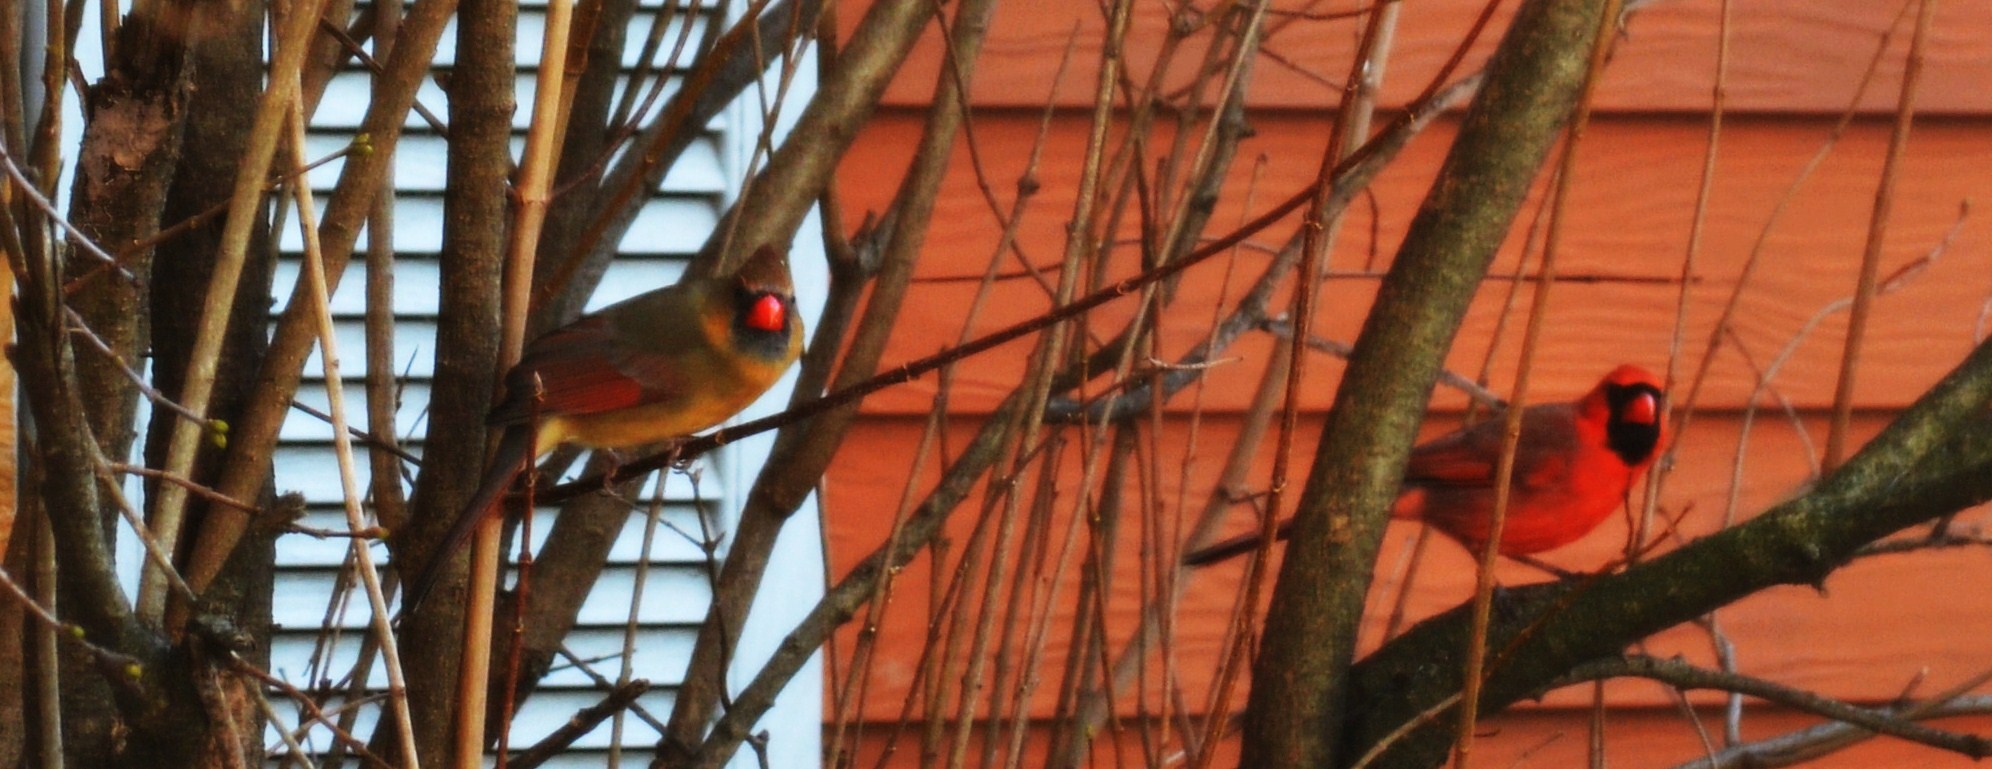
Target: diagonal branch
{"points": [[1681, 675]]}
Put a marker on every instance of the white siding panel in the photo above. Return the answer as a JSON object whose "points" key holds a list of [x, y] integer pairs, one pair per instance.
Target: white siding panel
{"points": [[347, 94], [660, 655], [414, 349], [304, 551], [312, 469], [421, 165], [418, 228], [415, 282], [671, 225], [676, 542], [416, 293], [547, 711], [532, 30], [316, 738], [420, 161], [630, 276], [304, 594], [306, 428], [671, 596]]}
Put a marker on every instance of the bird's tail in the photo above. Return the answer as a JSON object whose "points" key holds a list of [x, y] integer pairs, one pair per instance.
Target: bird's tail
{"points": [[1235, 546], [514, 455]]}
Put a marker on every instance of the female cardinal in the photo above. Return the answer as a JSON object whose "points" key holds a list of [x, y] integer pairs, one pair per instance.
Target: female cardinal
{"points": [[1573, 465], [660, 365]]}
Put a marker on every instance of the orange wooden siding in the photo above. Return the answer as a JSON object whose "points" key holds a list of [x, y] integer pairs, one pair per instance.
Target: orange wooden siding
{"points": [[1878, 623], [1630, 218], [1788, 56]]}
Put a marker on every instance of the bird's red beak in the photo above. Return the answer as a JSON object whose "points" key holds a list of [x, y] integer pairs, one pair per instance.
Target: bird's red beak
{"points": [[767, 313], [1643, 410]]}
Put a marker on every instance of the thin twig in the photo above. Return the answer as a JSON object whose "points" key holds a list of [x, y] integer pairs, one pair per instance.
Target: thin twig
{"points": [[310, 708], [77, 237], [1884, 200], [80, 327], [106, 659], [1921, 543], [369, 439], [1483, 594], [632, 621], [293, 750], [314, 276], [383, 391], [1684, 408], [1718, 99], [580, 724], [1471, 389], [1681, 674]]}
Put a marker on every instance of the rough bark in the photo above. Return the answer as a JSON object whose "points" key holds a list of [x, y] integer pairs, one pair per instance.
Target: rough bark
{"points": [[475, 211], [130, 149], [228, 69]]}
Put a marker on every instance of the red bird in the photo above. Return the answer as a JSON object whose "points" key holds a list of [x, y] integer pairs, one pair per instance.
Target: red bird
{"points": [[657, 366], [1574, 464]]}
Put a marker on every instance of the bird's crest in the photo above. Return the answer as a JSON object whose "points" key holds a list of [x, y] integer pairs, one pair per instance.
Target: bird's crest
{"points": [[766, 271]]}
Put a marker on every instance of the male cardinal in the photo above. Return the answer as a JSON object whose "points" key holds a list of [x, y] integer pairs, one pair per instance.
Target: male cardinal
{"points": [[1574, 464], [657, 366]]}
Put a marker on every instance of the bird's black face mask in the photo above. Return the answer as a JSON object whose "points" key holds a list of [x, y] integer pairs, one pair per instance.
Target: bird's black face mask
{"points": [[1633, 430]]}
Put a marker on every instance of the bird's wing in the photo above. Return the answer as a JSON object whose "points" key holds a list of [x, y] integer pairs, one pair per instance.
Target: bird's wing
{"points": [[1464, 457], [1467, 457], [585, 368]]}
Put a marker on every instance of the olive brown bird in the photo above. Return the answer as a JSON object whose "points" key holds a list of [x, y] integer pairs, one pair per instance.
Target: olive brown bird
{"points": [[655, 367], [1574, 464]]}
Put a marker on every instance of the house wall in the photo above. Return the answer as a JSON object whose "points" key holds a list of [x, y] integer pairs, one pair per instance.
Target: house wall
{"points": [[1878, 625]]}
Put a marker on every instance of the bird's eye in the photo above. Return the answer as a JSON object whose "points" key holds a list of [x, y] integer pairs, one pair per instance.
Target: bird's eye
{"points": [[766, 313]]}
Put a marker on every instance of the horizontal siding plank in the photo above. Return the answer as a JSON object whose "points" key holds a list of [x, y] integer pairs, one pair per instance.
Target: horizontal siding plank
{"points": [[348, 93], [531, 30], [661, 653], [1629, 218], [536, 717], [312, 469], [421, 163], [664, 226], [676, 542], [416, 279], [672, 596], [1787, 56], [408, 417]]}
